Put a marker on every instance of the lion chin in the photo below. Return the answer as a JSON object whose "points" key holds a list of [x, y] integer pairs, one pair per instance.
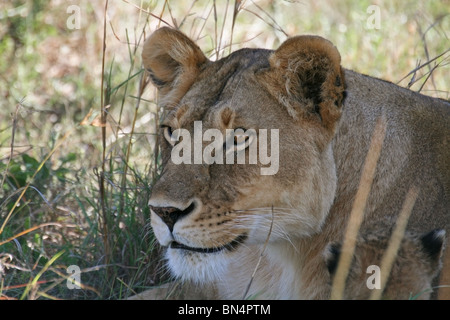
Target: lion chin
{"points": [[196, 267], [193, 261]]}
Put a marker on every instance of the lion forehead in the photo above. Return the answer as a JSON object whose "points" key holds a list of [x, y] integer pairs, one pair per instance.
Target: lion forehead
{"points": [[220, 80]]}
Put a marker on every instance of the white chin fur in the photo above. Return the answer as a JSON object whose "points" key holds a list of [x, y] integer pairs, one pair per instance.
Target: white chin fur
{"points": [[197, 267]]}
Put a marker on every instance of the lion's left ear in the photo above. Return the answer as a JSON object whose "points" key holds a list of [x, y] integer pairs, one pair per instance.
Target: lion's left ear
{"points": [[305, 75]]}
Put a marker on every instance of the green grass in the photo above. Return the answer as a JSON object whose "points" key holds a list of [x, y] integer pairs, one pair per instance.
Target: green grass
{"points": [[77, 161]]}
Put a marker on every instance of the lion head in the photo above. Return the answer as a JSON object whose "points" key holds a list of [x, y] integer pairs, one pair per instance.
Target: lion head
{"points": [[246, 147]]}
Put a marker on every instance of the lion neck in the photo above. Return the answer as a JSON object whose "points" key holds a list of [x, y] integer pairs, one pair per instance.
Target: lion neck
{"points": [[270, 272]]}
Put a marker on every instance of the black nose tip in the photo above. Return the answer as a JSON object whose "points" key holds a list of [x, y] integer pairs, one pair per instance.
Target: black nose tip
{"points": [[170, 215]]}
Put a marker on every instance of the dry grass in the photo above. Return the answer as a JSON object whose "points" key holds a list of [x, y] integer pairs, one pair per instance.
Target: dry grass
{"points": [[77, 130], [395, 240], [359, 206]]}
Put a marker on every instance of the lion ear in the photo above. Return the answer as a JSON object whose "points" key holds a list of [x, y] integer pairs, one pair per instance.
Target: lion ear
{"points": [[173, 62], [331, 254], [305, 75], [433, 244]]}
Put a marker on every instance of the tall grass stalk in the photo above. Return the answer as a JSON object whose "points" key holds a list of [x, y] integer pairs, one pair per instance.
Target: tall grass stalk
{"points": [[394, 243], [357, 213]]}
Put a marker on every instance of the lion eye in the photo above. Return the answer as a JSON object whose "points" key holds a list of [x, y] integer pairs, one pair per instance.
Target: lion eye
{"points": [[241, 139], [168, 134]]}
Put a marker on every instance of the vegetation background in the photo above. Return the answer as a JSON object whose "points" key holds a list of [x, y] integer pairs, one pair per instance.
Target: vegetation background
{"points": [[77, 130]]}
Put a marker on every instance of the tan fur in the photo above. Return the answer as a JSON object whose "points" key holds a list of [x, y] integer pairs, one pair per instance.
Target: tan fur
{"points": [[299, 90], [413, 270]]}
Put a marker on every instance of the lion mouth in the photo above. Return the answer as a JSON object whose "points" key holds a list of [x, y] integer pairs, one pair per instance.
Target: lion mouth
{"points": [[229, 246]]}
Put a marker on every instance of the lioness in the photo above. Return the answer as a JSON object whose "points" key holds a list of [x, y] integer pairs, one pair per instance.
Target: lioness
{"points": [[221, 221], [417, 263]]}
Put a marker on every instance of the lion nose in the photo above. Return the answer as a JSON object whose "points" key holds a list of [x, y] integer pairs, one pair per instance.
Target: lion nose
{"points": [[170, 215]]}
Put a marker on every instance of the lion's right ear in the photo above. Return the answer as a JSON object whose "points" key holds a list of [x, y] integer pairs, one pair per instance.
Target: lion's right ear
{"points": [[173, 62]]}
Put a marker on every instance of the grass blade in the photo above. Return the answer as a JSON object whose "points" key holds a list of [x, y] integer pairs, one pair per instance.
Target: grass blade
{"points": [[357, 213], [33, 283]]}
